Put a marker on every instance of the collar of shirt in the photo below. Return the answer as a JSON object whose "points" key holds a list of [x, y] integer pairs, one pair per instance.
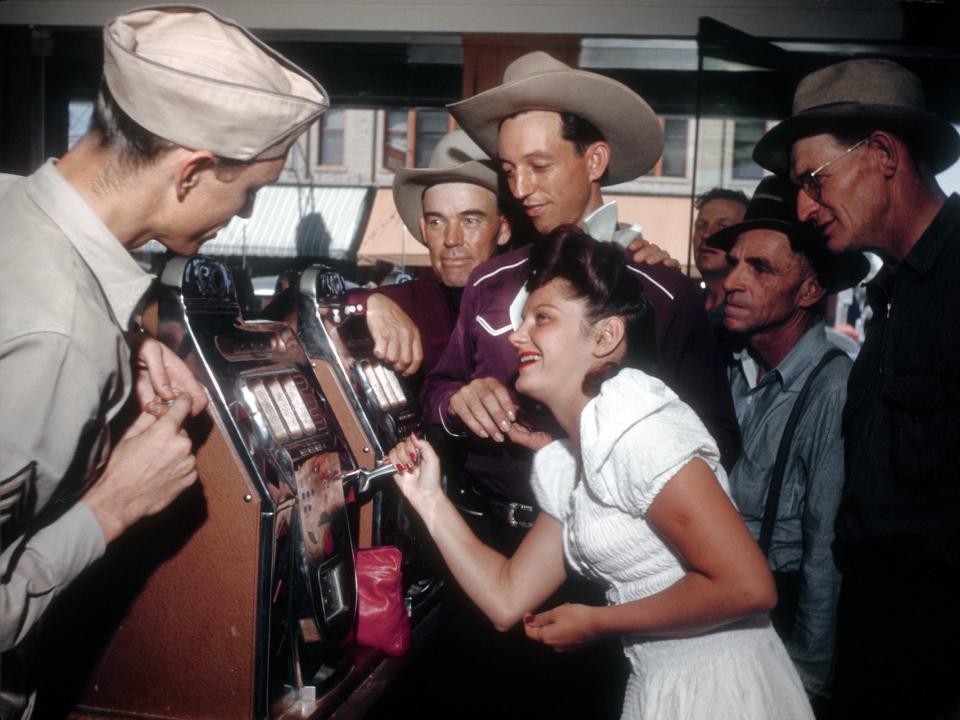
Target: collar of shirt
{"points": [[924, 253], [124, 283], [793, 369], [601, 224]]}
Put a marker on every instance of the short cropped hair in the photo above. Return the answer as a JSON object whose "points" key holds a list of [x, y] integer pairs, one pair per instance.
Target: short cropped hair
{"points": [[718, 193]]}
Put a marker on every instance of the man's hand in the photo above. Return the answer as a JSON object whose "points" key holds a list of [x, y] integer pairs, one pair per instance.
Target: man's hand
{"points": [[564, 628], [161, 376], [150, 466], [530, 439], [396, 339], [644, 252], [485, 407]]}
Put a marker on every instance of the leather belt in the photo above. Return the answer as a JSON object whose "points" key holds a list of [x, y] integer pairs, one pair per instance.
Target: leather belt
{"points": [[516, 514], [477, 502]]}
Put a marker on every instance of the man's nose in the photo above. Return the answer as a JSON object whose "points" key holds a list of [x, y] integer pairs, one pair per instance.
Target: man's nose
{"points": [[732, 280], [247, 210], [522, 184], [806, 206], [453, 236]]}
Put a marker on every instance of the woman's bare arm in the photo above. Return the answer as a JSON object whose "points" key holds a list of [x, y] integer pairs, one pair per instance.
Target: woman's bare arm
{"points": [[727, 577], [503, 588]]}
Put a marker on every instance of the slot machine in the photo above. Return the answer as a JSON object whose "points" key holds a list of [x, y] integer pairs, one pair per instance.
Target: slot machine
{"points": [[250, 614], [377, 409]]}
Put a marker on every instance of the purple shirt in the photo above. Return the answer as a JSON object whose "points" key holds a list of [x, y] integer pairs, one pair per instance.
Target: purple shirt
{"points": [[688, 361]]}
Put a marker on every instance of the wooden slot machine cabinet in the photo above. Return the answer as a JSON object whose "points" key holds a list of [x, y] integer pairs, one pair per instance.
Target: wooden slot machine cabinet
{"points": [[248, 592]]}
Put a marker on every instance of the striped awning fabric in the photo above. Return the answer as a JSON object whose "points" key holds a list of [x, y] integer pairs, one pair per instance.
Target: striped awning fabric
{"points": [[290, 221]]}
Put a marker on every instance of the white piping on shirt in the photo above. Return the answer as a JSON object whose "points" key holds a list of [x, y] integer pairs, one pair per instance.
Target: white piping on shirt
{"points": [[499, 270], [641, 272], [444, 424], [491, 330]]}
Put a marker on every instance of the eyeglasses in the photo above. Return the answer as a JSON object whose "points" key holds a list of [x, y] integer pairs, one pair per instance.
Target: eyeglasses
{"points": [[812, 183]]}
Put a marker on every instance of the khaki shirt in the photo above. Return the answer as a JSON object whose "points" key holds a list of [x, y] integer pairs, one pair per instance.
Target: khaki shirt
{"points": [[68, 290]]}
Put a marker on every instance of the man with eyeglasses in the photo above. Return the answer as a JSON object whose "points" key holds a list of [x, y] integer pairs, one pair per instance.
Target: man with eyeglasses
{"points": [[865, 152]]}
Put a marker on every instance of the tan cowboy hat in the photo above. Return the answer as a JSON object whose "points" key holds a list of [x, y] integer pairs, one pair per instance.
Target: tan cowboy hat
{"points": [[875, 93], [537, 81], [205, 83], [456, 159]]}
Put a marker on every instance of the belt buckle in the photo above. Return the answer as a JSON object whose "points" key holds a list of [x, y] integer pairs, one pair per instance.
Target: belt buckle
{"points": [[512, 509]]}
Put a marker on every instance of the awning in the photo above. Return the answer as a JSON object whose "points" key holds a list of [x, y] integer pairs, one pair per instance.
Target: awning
{"points": [[386, 237], [291, 221]]}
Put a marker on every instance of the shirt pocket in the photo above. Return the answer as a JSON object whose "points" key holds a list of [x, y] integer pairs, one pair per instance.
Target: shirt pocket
{"points": [[925, 429]]}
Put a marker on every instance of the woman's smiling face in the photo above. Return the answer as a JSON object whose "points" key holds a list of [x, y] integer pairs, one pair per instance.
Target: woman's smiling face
{"points": [[555, 343]]}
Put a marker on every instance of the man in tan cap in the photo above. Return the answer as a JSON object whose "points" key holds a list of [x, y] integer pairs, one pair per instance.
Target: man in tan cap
{"points": [[194, 115], [864, 151]]}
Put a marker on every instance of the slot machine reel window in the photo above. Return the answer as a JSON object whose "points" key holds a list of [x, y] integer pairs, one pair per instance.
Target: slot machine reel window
{"points": [[285, 407]]}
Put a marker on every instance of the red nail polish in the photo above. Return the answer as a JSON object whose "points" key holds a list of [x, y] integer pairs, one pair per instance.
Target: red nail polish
{"points": [[413, 457]]}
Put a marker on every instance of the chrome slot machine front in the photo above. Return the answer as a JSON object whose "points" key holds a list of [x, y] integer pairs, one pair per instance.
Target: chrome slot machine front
{"points": [[251, 616]]}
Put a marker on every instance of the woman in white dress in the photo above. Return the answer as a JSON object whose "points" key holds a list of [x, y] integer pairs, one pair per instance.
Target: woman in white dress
{"points": [[635, 498]]}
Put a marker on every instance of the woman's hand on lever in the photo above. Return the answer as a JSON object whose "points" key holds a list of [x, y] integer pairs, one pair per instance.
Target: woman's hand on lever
{"points": [[418, 475]]}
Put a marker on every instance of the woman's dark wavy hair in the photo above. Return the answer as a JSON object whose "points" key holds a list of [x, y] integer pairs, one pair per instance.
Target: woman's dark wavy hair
{"points": [[598, 273]]}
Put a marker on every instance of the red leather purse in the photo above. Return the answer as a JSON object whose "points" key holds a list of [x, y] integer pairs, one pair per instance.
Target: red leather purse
{"points": [[382, 620]]}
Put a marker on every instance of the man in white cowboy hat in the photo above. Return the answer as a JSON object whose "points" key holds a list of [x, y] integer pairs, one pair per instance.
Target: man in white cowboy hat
{"points": [[777, 279], [864, 152], [193, 116], [559, 134]]}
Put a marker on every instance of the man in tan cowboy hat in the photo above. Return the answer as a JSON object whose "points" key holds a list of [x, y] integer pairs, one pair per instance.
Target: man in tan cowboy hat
{"points": [[864, 151], [451, 206], [776, 282], [559, 134], [193, 116]]}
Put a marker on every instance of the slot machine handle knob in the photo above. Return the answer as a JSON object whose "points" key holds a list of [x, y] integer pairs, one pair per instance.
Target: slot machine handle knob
{"points": [[362, 480]]}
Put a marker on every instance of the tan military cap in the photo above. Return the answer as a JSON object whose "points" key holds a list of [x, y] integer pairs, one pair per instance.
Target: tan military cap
{"points": [[203, 82]]}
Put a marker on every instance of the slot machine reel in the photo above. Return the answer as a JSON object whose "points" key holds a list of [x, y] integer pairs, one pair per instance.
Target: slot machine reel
{"points": [[250, 617]]}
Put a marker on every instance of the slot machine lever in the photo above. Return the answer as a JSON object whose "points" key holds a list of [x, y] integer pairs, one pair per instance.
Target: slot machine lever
{"points": [[361, 480]]}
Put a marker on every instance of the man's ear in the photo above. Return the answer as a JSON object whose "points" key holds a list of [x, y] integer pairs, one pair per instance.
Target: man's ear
{"points": [[811, 291], [189, 169], [504, 232], [888, 149], [610, 335], [598, 159]]}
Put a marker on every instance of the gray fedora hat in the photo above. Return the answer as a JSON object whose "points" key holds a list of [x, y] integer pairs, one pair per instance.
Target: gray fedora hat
{"points": [[456, 159], [861, 92], [774, 207], [537, 81]]}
